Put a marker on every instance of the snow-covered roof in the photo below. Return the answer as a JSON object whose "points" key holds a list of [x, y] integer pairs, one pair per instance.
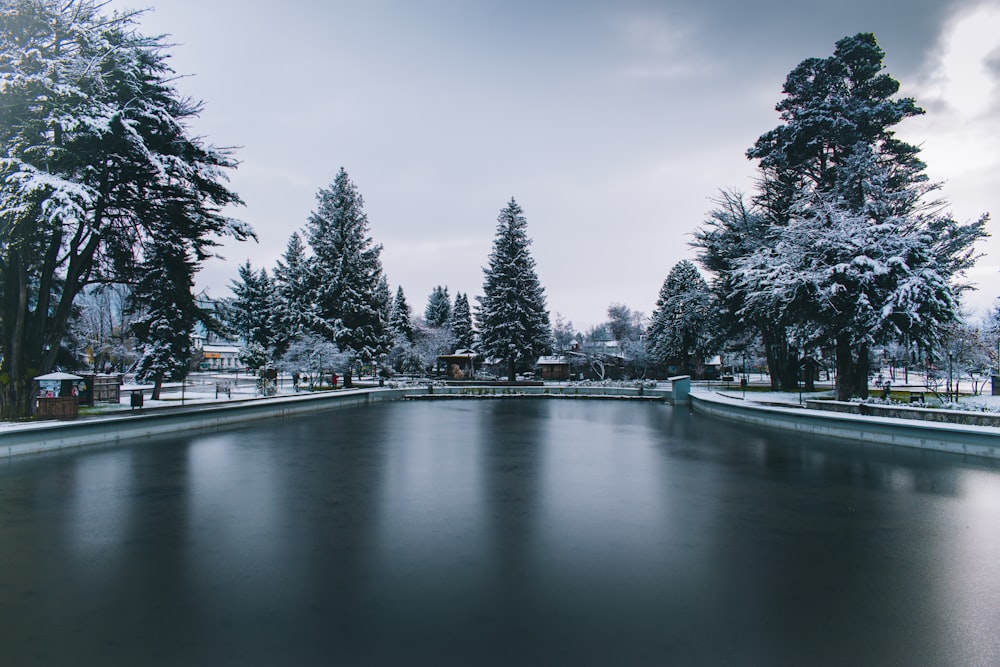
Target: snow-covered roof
{"points": [[58, 375], [551, 360], [232, 349]]}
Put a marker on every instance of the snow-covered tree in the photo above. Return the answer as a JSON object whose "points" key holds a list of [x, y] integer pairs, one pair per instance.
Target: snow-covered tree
{"points": [[682, 324], [847, 280], [251, 314], [95, 151], [843, 247], [513, 321], [563, 333], [165, 310], [624, 323], [400, 318], [346, 274], [438, 310], [462, 331], [293, 307], [102, 328], [734, 230]]}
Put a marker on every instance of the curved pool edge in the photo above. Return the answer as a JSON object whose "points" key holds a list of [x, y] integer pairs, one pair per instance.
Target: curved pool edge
{"points": [[982, 441], [39, 438]]}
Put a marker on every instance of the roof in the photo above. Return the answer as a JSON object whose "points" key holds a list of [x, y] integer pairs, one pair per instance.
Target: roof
{"points": [[551, 361], [221, 348], [58, 376]]}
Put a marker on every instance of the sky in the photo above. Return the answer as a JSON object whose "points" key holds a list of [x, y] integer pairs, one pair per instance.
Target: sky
{"points": [[613, 123]]}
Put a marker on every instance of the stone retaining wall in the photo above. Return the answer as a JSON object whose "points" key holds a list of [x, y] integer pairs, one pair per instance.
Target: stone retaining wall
{"points": [[906, 412]]}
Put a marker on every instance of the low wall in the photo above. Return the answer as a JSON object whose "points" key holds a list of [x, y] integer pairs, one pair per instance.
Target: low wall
{"points": [[564, 391], [956, 438], [33, 438], [966, 417]]}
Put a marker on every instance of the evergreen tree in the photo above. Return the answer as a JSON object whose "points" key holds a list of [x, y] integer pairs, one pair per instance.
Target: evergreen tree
{"points": [[513, 322], [346, 275], [835, 170], [438, 310], [735, 230], [563, 333], [292, 295], [400, 318], [165, 311], [250, 314], [682, 324], [461, 323], [96, 152]]}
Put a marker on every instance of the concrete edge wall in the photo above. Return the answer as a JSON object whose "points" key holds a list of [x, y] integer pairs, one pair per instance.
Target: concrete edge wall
{"points": [[138, 426], [955, 438]]}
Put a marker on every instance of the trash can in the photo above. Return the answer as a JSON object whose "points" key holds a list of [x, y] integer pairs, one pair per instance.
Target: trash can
{"points": [[136, 399]]}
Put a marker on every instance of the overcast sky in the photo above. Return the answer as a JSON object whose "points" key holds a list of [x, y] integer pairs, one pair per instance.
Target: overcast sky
{"points": [[612, 122]]}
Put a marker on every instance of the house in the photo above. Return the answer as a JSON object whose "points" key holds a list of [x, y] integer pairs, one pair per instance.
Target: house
{"points": [[461, 365], [553, 368], [221, 358]]}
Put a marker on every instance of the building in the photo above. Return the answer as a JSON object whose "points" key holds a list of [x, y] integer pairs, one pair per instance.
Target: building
{"points": [[553, 368], [220, 358]]}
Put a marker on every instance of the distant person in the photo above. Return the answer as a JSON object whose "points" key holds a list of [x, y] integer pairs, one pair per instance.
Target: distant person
{"points": [[335, 379]]}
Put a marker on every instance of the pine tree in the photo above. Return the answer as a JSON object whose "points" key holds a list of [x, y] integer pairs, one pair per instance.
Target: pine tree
{"points": [[461, 323], [513, 322], [166, 311], [292, 295], [400, 318], [681, 327], [346, 275], [438, 310], [250, 314]]}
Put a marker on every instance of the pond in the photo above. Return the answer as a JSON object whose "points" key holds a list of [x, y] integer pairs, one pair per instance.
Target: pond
{"points": [[500, 531]]}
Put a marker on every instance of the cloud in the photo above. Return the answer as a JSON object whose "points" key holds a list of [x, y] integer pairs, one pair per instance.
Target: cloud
{"points": [[960, 134], [659, 48]]}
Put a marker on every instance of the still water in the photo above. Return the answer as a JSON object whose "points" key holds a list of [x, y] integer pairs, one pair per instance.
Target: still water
{"points": [[499, 532]]}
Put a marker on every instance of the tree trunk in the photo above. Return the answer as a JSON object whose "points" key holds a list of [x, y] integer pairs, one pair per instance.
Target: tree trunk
{"points": [[782, 360], [511, 374], [852, 370], [348, 380], [157, 386]]}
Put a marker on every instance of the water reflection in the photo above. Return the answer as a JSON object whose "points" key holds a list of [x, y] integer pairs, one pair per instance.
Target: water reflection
{"points": [[499, 532]]}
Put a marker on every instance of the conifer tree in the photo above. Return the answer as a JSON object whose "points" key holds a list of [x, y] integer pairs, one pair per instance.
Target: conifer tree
{"points": [[400, 316], [438, 310], [513, 322], [346, 278], [292, 297], [461, 323], [681, 327], [855, 254], [165, 311], [250, 314]]}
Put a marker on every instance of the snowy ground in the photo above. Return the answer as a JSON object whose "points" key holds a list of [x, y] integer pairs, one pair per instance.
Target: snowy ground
{"points": [[211, 388]]}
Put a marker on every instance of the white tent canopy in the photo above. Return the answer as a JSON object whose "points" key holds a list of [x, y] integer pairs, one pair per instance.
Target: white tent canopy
{"points": [[58, 375]]}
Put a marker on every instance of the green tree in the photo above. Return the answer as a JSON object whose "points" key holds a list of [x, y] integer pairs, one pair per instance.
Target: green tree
{"points": [[682, 323], [400, 318], [461, 323], [856, 253], [346, 275], [438, 310], [250, 313], [293, 307], [513, 321], [96, 158]]}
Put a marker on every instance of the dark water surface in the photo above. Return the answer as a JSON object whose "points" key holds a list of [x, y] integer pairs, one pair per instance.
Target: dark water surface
{"points": [[499, 532]]}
